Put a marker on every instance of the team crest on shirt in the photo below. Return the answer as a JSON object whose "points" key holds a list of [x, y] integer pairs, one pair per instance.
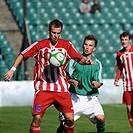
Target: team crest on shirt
{"points": [[37, 108]]}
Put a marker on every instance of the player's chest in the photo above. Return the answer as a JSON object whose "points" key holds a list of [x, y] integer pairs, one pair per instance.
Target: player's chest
{"points": [[45, 52], [84, 69], [126, 57]]}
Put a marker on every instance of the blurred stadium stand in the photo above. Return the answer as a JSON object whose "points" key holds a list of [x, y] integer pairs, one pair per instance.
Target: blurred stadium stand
{"points": [[6, 58], [114, 18]]}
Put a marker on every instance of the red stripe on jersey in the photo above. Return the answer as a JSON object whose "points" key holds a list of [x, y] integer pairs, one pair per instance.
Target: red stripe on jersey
{"points": [[47, 77], [30, 47], [127, 61]]}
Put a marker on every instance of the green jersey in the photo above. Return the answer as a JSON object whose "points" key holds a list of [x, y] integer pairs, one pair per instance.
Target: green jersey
{"points": [[85, 74]]}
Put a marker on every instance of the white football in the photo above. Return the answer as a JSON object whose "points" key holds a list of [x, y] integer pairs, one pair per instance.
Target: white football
{"points": [[57, 58]]}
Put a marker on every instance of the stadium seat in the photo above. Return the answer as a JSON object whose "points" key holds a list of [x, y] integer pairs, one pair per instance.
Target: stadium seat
{"points": [[3, 68], [106, 25], [6, 56]]}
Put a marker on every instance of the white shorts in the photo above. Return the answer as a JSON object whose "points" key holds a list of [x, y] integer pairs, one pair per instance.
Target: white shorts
{"points": [[85, 105]]}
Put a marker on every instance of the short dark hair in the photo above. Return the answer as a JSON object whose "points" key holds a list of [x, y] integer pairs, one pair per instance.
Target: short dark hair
{"points": [[124, 34], [56, 23], [91, 37]]}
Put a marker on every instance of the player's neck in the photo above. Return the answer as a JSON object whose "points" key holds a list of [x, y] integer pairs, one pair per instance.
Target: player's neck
{"points": [[87, 55], [127, 48], [52, 45]]}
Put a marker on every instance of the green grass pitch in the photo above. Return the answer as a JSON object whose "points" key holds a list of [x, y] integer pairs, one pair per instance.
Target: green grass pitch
{"points": [[18, 119]]}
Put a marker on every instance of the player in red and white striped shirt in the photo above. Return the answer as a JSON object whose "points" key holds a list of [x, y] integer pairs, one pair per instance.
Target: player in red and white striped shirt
{"points": [[125, 68], [51, 84]]}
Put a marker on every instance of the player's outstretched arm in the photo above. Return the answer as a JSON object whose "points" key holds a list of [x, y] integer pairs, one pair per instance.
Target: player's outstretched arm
{"points": [[9, 74], [86, 61]]}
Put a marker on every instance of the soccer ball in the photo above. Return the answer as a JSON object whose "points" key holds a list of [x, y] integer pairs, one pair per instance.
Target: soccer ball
{"points": [[57, 58]]}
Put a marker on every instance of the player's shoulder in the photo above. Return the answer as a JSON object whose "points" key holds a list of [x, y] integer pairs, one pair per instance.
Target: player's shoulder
{"points": [[94, 58], [98, 62], [43, 40], [43, 43], [120, 52], [131, 48], [71, 62], [64, 41]]}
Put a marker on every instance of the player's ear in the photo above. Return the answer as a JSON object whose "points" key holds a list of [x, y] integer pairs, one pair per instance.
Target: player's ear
{"points": [[94, 49]]}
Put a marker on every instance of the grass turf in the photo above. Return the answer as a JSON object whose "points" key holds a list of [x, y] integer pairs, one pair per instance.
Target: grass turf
{"points": [[18, 119]]}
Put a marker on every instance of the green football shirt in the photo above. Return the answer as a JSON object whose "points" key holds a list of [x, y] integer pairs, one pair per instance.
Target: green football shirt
{"points": [[85, 74]]}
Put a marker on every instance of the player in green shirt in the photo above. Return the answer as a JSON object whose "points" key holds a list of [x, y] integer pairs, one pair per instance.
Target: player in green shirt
{"points": [[84, 83]]}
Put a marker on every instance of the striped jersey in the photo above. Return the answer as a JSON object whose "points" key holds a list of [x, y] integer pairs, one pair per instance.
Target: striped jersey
{"points": [[46, 77], [125, 65]]}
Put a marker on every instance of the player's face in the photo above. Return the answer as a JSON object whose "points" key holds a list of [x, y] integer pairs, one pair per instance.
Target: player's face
{"points": [[89, 46], [125, 41], [54, 34]]}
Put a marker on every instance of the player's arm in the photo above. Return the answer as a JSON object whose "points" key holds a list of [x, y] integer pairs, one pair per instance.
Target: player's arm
{"points": [[9, 74], [78, 58], [119, 67], [74, 81], [85, 61], [97, 77], [118, 74]]}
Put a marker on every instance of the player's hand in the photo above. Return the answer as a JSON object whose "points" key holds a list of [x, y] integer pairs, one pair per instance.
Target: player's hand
{"points": [[96, 84], [76, 83], [116, 83], [79, 85], [86, 61], [8, 75], [92, 62]]}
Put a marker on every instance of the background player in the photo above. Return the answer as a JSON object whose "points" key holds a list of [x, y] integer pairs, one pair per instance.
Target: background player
{"points": [[51, 84], [85, 81], [124, 65]]}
